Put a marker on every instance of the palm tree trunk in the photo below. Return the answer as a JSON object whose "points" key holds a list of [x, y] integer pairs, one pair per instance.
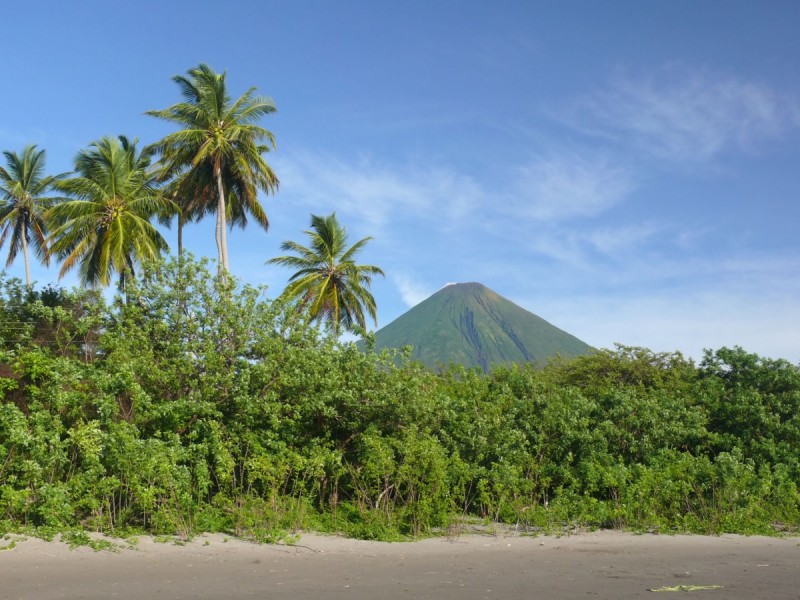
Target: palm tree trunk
{"points": [[180, 235], [181, 300], [27, 262], [222, 238]]}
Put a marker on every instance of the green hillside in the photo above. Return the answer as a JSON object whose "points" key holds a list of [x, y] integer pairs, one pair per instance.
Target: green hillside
{"points": [[469, 324]]}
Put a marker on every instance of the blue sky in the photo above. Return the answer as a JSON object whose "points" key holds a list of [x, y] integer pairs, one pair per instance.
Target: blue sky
{"points": [[627, 170]]}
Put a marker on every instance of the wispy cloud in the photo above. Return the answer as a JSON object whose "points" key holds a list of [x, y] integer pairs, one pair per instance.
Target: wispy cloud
{"points": [[684, 116], [379, 193], [411, 291], [569, 185], [586, 248], [615, 241]]}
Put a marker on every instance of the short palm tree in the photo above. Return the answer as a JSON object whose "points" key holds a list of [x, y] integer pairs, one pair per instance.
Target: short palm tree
{"points": [[327, 280], [216, 157], [106, 228], [24, 186]]}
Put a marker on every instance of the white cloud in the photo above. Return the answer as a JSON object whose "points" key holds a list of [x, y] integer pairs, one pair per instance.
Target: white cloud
{"points": [[383, 196], [567, 186], [564, 246], [411, 291], [613, 241], [376, 193], [684, 116], [582, 248]]}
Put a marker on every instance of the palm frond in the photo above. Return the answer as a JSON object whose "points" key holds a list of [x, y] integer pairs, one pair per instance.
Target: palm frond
{"points": [[106, 230], [217, 141], [24, 188], [327, 283]]}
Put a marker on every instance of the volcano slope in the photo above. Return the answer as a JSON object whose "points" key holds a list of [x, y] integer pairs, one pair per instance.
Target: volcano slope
{"points": [[470, 325]]}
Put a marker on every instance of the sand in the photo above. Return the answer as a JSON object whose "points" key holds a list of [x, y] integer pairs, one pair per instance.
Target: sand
{"points": [[591, 565]]}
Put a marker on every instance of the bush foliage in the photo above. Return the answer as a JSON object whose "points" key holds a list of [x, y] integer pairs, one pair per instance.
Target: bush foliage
{"points": [[195, 404]]}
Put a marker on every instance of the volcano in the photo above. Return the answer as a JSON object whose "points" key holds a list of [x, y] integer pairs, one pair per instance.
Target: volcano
{"points": [[469, 324]]}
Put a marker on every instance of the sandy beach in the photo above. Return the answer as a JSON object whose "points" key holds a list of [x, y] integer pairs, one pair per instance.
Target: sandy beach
{"points": [[598, 565]]}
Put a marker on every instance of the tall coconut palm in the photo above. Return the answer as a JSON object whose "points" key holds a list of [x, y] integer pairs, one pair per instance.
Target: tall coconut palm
{"points": [[328, 282], [23, 186], [106, 228], [216, 156]]}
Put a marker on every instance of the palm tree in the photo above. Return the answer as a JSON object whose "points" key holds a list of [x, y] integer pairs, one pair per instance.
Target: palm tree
{"points": [[216, 158], [106, 228], [185, 208], [23, 186], [328, 281]]}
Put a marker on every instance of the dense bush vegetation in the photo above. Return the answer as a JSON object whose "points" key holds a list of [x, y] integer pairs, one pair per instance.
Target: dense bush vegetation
{"points": [[195, 404]]}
